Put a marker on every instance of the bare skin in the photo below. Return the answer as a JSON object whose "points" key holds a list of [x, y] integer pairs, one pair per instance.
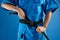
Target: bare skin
{"points": [[21, 14], [47, 19]]}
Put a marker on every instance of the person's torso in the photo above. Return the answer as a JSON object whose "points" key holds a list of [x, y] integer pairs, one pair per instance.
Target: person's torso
{"points": [[32, 8]]}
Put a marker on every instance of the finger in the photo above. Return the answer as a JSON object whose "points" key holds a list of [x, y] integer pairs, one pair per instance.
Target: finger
{"points": [[23, 16], [41, 30], [38, 30]]}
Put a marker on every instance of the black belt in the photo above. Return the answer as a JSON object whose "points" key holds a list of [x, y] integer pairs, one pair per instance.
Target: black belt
{"points": [[30, 23]]}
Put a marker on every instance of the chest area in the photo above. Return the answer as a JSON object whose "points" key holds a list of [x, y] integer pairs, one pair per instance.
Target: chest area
{"points": [[30, 2]]}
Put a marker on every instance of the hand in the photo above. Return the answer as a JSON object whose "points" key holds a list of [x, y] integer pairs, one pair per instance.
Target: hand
{"points": [[21, 14], [40, 29]]}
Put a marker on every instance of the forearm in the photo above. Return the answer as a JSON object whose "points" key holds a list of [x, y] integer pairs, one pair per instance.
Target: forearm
{"points": [[21, 13], [10, 7], [47, 19]]}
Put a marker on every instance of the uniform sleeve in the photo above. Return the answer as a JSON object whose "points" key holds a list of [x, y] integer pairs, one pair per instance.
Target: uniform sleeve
{"points": [[12, 2], [50, 6]]}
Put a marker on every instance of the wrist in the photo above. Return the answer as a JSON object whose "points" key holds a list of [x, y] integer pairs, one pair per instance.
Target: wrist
{"points": [[44, 26]]}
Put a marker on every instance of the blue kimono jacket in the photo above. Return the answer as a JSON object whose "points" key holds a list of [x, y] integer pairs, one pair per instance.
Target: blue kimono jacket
{"points": [[34, 10]]}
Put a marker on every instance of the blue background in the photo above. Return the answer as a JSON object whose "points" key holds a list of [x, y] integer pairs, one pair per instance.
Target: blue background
{"points": [[9, 25]]}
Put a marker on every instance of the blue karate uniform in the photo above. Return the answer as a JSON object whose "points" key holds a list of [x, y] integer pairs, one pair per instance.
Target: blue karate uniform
{"points": [[34, 10]]}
